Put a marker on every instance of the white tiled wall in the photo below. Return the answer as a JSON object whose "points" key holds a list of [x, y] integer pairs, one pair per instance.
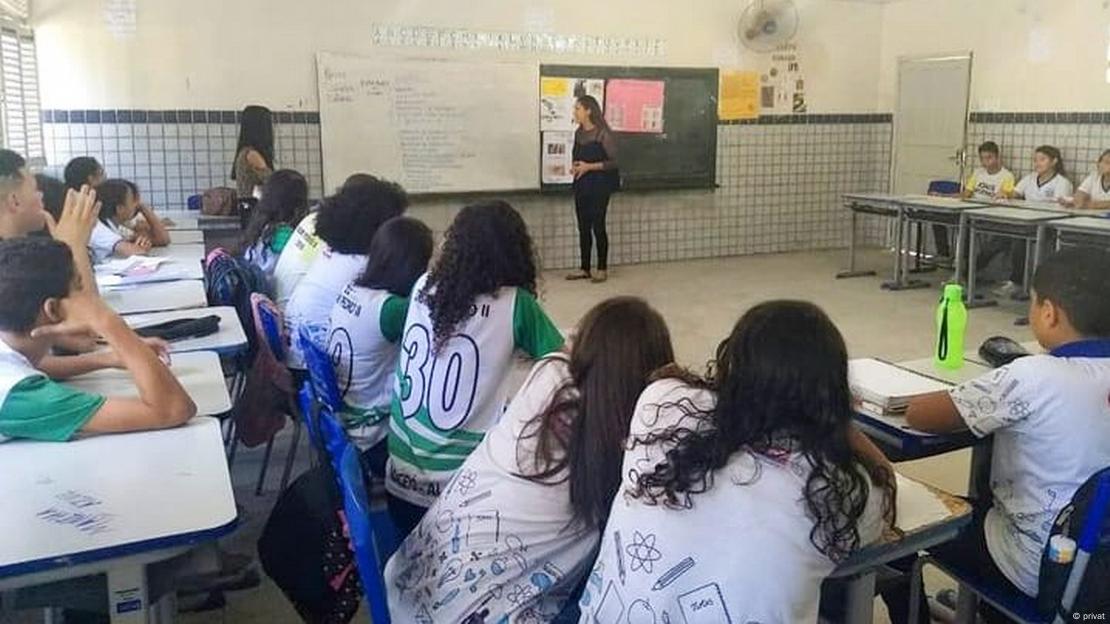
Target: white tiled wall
{"points": [[1079, 143]]}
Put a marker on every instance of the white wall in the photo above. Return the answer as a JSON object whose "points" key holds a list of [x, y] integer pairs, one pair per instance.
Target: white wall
{"points": [[1029, 55], [202, 54]]}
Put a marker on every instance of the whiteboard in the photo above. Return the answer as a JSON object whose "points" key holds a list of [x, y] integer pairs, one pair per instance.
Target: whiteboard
{"points": [[435, 126]]}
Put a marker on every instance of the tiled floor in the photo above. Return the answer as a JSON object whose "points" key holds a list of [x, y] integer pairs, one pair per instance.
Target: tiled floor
{"points": [[700, 301]]}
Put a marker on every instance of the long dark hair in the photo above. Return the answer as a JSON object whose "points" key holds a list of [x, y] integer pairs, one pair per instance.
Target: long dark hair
{"points": [[256, 131], [399, 255], [582, 431], [112, 194], [592, 106], [284, 201], [781, 382], [1054, 154], [486, 248]]}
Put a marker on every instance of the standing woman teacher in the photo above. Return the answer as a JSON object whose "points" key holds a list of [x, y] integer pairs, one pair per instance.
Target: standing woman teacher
{"points": [[595, 178], [254, 155]]}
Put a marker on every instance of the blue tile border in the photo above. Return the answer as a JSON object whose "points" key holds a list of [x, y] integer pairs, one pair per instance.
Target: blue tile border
{"points": [[805, 119], [176, 116], [1074, 117]]}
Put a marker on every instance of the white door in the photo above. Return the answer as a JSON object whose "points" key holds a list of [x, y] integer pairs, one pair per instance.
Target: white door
{"points": [[930, 121]]}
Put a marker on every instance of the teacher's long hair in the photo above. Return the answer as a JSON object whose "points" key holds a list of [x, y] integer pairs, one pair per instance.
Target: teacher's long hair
{"points": [[597, 118]]}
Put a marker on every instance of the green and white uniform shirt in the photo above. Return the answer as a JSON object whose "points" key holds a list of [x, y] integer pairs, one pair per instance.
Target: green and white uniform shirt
{"points": [[445, 400], [36, 407], [364, 332]]}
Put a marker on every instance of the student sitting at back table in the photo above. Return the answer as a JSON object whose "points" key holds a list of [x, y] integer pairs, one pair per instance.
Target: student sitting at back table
{"points": [[1046, 183], [1049, 417], [742, 492], [83, 171], [467, 317], [364, 331], [113, 236], [990, 180], [303, 249], [284, 203], [346, 223], [541, 482], [1094, 192], [40, 300]]}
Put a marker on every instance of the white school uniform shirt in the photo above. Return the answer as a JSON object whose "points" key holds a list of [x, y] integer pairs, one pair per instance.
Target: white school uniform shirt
{"points": [[985, 185], [302, 250], [103, 241], [364, 333], [1050, 417], [1053, 189], [740, 553], [494, 540], [1092, 185], [444, 401], [311, 304]]}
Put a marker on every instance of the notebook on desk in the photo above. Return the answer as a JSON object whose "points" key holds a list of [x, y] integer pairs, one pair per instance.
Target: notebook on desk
{"points": [[917, 505], [885, 388]]}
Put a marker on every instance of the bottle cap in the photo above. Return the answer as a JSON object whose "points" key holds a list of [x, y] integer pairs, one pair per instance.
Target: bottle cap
{"points": [[1061, 549], [953, 291]]}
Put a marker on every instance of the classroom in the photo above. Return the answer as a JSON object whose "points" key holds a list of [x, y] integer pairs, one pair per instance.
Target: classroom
{"points": [[635, 312]]}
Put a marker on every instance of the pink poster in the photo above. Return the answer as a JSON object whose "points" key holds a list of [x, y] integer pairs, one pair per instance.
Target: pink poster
{"points": [[634, 105]]}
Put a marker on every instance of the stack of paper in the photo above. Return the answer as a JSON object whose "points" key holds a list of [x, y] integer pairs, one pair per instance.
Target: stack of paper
{"points": [[886, 389], [135, 270], [918, 506]]}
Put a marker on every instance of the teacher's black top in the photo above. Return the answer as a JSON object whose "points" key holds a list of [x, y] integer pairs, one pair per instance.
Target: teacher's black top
{"points": [[594, 146]]}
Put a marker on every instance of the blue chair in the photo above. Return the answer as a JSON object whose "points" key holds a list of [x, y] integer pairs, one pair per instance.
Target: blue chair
{"points": [[944, 187], [1093, 535], [941, 233]]}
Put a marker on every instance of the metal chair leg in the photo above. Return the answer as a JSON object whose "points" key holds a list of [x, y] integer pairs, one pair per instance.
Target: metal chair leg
{"points": [[265, 464], [916, 587], [289, 460]]}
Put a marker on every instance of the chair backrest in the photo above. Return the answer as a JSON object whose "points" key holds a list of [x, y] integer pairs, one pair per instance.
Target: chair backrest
{"points": [[944, 187], [321, 370], [344, 458], [269, 326], [1088, 586]]}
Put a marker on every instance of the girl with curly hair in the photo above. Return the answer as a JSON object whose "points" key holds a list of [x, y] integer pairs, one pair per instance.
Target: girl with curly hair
{"points": [[742, 491], [467, 317]]}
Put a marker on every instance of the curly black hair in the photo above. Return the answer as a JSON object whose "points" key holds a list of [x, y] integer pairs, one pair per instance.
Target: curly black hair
{"points": [[348, 220], [486, 248], [781, 381]]}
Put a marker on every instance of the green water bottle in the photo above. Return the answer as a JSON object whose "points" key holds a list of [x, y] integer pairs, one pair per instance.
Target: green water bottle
{"points": [[951, 325]]}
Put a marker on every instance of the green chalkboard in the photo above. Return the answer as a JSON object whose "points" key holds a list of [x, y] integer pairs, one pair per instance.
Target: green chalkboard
{"points": [[684, 155]]}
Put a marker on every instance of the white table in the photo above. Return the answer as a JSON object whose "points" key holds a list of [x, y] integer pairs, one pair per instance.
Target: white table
{"points": [[112, 504], [880, 204], [229, 340], [1017, 223], [946, 211], [971, 369], [198, 371], [1086, 230], [186, 237], [194, 220], [156, 297], [180, 252]]}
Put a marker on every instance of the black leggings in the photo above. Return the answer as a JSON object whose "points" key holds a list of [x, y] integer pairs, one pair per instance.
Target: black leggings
{"points": [[591, 210]]}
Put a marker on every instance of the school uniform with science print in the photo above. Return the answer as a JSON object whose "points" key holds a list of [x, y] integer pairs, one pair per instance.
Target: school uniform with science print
{"points": [[35, 407], [364, 332], [740, 553], [494, 540], [985, 185], [1051, 190], [446, 398], [1050, 418], [1093, 186]]}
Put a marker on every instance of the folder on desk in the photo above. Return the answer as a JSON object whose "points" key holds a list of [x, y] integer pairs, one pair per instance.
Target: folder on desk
{"points": [[887, 389]]}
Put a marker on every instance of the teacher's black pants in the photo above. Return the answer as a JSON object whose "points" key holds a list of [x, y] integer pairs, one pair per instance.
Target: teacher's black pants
{"points": [[591, 209]]}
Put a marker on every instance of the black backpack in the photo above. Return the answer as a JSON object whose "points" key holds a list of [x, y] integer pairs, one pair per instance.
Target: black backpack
{"points": [[1094, 593], [304, 548]]}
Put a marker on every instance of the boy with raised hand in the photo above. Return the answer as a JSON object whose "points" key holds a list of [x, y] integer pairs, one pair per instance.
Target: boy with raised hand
{"points": [[42, 300], [1049, 415]]}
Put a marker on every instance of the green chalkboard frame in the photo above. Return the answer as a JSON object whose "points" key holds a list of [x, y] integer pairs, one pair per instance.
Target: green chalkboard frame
{"points": [[684, 156]]}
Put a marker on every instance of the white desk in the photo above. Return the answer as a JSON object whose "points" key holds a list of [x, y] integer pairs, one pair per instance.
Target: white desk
{"points": [[156, 297], [946, 211], [186, 237], [926, 366], [229, 340], [199, 373], [1017, 223], [180, 252], [111, 504], [880, 204], [194, 220], [1086, 230]]}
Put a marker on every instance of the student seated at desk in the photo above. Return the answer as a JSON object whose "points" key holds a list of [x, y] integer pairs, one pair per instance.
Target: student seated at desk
{"points": [[1094, 192], [1049, 416], [365, 331], [549, 470], [1046, 183], [83, 171], [468, 317], [346, 223], [742, 491], [284, 203], [113, 235], [41, 299], [987, 181]]}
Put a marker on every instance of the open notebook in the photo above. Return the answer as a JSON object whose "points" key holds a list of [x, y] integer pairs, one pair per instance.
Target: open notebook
{"points": [[886, 389]]}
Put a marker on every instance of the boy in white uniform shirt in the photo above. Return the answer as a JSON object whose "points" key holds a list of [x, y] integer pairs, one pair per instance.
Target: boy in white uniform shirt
{"points": [[1049, 415]]}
